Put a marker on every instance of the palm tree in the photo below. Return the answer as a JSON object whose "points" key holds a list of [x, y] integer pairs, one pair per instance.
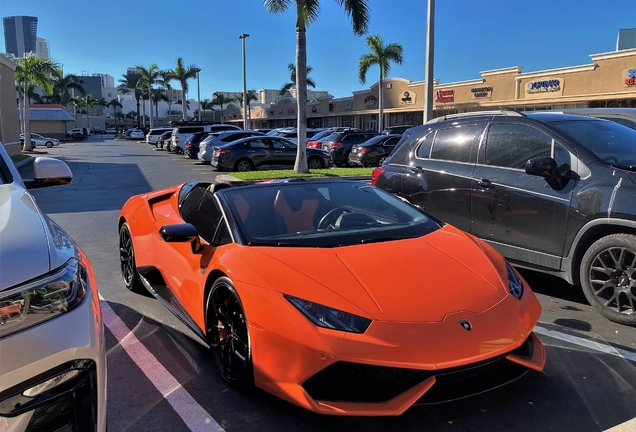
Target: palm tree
{"points": [[158, 95], [64, 87], [100, 102], [129, 83], [251, 96], [292, 77], [149, 77], [87, 101], [307, 12], [182, 74], [206, 104], [380, 55], [219, 98], [29, 70], [115, 104]]}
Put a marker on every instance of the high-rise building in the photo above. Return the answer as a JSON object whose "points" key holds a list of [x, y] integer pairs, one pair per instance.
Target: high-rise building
{"points": [[107, 80], [20, 34], [42, 48], [626, 39]]}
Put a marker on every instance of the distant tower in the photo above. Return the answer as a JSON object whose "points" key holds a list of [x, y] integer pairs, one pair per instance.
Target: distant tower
{"points": [[626, 39], [20, 35], [42, 48]]}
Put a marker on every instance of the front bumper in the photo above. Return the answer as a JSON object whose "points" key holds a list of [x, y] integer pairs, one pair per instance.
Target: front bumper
{"points": [[392, 365], [73, 342]]}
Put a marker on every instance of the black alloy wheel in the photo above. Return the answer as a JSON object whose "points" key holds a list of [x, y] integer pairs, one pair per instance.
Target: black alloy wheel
{"points": [[315, 163], [228, 334], [381, 160], [608, 277], [243, 165], [127, 260]]}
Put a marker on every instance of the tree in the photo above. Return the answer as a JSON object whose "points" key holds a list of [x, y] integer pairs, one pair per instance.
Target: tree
{"points": [[149, 77], [380, 55], [115, 104], [251, 96], [219, 98], [292, 77], [64, 87], [307, 12], [129, 83], [182, 74], [158, 95], [33, 70], [206, 104], [87, 101]]}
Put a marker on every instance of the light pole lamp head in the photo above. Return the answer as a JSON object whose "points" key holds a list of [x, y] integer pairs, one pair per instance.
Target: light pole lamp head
{"points": [[243, 36]]}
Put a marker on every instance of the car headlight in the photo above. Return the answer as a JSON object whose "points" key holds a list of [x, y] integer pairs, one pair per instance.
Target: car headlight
{"points": [[515, 286], [330, 318], [42, 299]]}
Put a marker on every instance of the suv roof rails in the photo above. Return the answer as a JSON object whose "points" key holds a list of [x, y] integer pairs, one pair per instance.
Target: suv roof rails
{"points": [[191, 123], [477, 113]]}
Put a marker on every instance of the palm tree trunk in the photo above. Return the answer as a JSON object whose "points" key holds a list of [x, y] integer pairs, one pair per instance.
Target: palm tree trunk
{"points": [[300, 165], [184, 107], [138, 114], [380, 104], [27, 125], [150, 106]]}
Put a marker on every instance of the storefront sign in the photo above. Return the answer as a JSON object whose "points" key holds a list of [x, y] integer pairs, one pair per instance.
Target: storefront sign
{"points": [[631, 78], [443, 96], [347, 106], [481, 92], [290, 111], [370, 101], [407, 98], [547, 86]]}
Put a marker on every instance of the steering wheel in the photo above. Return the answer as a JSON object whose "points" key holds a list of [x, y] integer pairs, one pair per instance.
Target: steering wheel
{"points": [[611, 159], [330, 218]]}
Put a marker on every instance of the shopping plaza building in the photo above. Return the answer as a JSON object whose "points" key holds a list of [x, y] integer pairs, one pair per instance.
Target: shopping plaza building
{"points": [[608, 81]]}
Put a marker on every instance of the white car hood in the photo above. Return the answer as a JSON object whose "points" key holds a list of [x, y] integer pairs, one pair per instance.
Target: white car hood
{"points": [[27, 247]]}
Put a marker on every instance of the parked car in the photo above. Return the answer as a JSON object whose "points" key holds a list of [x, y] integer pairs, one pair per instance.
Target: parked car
{"points": [[52, 346], [264, 131], [192, 144], [153, 134], [551, 192], [41, 140], [163, 139], [72, 132], [339, 144], [292, 134], [286, 278], [315, 141], [399, 129], [217, 139], [177, 144], [248, 154], [137, 134], [374, 151]]}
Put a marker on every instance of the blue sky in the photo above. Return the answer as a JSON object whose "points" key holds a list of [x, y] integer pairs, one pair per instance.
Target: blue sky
{"points": [[471, 36]]}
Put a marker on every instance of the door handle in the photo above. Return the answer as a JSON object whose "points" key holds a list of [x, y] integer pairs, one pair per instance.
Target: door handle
{"points": [[486, 184], [417, 169], [278, 151], [251, 151]]}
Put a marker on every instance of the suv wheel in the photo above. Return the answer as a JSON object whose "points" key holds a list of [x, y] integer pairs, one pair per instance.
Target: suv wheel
{"points": [[608, 277]]}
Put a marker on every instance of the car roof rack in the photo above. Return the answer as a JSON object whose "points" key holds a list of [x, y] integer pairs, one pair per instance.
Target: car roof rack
{"points": [[477, 113], [191, 123]]}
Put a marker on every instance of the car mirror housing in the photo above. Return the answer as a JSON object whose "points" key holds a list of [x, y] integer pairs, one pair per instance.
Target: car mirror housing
{"points": [[546, 167], [49, 172], [181, 233]]}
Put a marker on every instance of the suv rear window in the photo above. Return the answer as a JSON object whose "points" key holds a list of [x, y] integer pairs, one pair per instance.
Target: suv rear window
{"points": [[454, 144], [189, 129]]}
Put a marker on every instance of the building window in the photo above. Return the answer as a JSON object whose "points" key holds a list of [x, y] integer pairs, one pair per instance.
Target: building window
{"points": [[348, 121]]}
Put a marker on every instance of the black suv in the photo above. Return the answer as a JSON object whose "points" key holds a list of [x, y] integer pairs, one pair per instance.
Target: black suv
{"points": [[339, 144], [551, 192], [396, 129]]}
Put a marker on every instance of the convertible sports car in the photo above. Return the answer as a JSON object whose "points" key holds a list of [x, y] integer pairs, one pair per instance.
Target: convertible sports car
{"points": [[333, 295]]}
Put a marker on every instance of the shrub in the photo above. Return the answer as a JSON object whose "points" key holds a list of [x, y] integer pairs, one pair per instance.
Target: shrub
{"points": [[77, 136]]}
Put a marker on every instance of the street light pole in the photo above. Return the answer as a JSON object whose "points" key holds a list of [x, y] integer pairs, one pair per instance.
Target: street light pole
{"points": [[199, 94], [245, 121], [428, 72]]}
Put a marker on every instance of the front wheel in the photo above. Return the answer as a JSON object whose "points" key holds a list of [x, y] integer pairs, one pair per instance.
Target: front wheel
{"points": [[49, 144], [315, 163], [127, 263], [608, 277], [381, 160], [243, 165], [228, 334]]}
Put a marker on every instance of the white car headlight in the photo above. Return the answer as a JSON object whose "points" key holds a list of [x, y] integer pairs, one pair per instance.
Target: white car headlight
{"points": [[42, 299]]}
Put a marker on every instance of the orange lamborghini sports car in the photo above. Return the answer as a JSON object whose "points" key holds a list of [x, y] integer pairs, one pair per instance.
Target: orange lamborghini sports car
{"points": [[333, 295]]}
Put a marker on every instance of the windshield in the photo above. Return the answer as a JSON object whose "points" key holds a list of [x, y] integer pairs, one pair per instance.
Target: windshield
{"points": [[612, 142], [322, 214], [320, 135]]}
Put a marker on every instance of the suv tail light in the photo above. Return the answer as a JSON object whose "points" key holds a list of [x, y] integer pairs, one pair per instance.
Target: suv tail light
{"points": [[376, 173], [176, 139], [188, 144], [335, 144], [364, 150], [313, 144]]}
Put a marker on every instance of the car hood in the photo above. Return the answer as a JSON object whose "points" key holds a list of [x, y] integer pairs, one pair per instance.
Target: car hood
{"points": [[31, 244], [413, 280]]}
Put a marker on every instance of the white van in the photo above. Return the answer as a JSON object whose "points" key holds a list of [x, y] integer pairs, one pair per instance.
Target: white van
{"points": [[153, 134]]}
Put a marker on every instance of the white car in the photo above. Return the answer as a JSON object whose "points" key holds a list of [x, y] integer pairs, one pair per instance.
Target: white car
{"points": [[40, 140], [52, 347], [137, 134]]}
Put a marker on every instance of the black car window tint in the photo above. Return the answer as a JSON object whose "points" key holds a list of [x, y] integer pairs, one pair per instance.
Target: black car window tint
{"points": [[391, 142], [511, 145], [280, 144], [222, 235], [232, 137], [424, 149], [454, 143], [201, 210], [255, 144]]}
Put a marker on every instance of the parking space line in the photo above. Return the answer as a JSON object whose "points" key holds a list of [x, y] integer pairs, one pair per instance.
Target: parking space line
{"points": [[597, 346], [193, 415]]}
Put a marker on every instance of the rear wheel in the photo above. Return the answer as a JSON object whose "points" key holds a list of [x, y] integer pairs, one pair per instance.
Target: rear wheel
{"points": [[127, 260], [49, 144], [168, 146], [228, 334], [608, 277], [243, 165], [315, 163], [381, 160]]}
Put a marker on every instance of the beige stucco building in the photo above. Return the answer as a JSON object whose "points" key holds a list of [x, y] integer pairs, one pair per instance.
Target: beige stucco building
{"points": [[9, 125], [609, 81]]}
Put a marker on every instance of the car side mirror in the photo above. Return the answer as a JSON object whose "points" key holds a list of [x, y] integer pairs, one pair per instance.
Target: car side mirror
{"points": [[49, 172], [546, 167], [182, 233]]}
